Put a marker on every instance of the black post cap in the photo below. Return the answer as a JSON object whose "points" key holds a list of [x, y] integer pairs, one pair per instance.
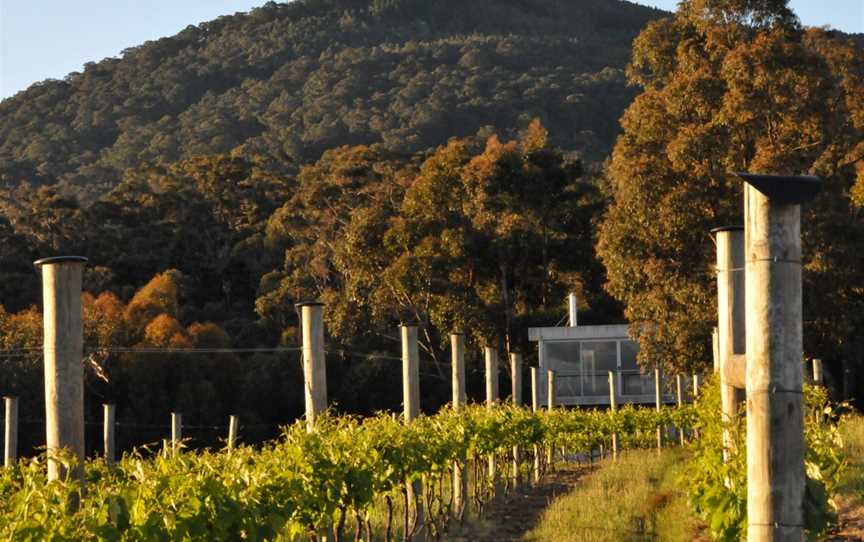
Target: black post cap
{"points": [[788, 189], [727, 228], [309, 304], [60, 259]]}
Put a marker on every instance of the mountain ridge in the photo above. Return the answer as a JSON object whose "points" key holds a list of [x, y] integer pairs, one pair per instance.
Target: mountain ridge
{"points": [[291, 80]]}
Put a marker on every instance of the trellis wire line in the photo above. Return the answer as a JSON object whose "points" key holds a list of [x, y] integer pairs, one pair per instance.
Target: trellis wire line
{"points": [[274, 425], [155, 350]]}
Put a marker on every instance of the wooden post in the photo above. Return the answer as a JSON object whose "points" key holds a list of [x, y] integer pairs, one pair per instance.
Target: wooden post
{"points": [[491, 355], [535, 390], [817, 371], [658, 384], [535, 406], [457, 363], [516, 395], [314, 364], [613, 406], [63, 352], [491, 358], [108, 427], [10, 449], [410, 411], [696, 383], [233, 427], [516, 378], [715, 344], [460, 480], [410, 373], [731, 320], [679, 392], [552, 397], [775, 376], [176, 431]]}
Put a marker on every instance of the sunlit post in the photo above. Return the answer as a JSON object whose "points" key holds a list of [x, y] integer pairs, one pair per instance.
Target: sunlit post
{"points": [[63, 351], [775, 376]]}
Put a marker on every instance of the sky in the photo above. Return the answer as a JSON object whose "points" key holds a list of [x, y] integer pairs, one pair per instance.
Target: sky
{"points": [[845, 15], [41, 39]]}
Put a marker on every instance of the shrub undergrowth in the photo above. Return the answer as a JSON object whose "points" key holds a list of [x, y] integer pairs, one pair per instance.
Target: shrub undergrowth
{"points": [[718, 486]]}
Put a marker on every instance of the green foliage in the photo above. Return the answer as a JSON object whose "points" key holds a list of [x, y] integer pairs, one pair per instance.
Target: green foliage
{"points": [[730, 86], [291, 80], [289, 488], [482, 236], [718, 485]]}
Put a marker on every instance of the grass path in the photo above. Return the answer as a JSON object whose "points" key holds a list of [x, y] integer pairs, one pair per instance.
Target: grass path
{"points": [[512, 516], [634, 499], [641, 497], [850, 499]]}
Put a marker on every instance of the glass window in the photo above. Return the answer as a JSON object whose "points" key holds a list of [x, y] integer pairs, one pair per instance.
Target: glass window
{"points": [[563, 356], [599, 357], [629, 351]]}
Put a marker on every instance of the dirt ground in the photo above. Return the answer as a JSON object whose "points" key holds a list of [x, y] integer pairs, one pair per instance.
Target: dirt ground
{"points": [[851, 525]]}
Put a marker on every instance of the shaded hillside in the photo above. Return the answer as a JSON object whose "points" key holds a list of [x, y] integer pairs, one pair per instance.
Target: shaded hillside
{"points": [[291, 80]]}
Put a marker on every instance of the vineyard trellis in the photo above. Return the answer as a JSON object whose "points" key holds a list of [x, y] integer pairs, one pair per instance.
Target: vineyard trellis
{"points": [[328, 470], [336, 466]]}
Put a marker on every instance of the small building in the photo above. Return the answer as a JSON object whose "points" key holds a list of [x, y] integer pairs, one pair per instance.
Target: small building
{"points": [[582, 357]]}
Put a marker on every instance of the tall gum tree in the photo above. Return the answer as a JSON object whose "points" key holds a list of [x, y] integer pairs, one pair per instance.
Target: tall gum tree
{"points": [[733, 85]]}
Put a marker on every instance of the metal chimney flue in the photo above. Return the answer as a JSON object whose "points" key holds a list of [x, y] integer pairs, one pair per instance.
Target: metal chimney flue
{"points": [[574, 310]]}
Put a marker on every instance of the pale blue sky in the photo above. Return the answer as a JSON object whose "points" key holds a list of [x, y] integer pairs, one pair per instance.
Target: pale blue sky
{"points": [[846, 15], [42, 39]]}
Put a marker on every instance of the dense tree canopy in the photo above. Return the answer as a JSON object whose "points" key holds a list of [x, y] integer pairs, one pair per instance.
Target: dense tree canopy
{"points": [[734, 85], [415, 161], [291, 80], [482, 236]]}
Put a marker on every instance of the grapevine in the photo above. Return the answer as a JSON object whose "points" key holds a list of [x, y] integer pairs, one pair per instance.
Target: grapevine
{"points": [[302, 484]]}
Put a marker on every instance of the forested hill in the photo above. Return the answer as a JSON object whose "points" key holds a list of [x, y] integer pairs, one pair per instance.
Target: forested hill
{"points": [[291, 80]]}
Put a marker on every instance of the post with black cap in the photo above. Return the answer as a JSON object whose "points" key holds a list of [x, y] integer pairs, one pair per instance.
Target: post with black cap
{"points": [[63, 351], [775, 414], [314, 365]]}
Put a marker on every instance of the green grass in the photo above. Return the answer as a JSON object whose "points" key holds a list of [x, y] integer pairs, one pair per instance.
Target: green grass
{"points": [[852, 480], [639, 497]]}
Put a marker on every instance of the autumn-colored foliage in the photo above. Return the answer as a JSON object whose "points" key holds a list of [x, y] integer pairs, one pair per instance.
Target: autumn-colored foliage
{"points": [[729, 86], [159, 296]]}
